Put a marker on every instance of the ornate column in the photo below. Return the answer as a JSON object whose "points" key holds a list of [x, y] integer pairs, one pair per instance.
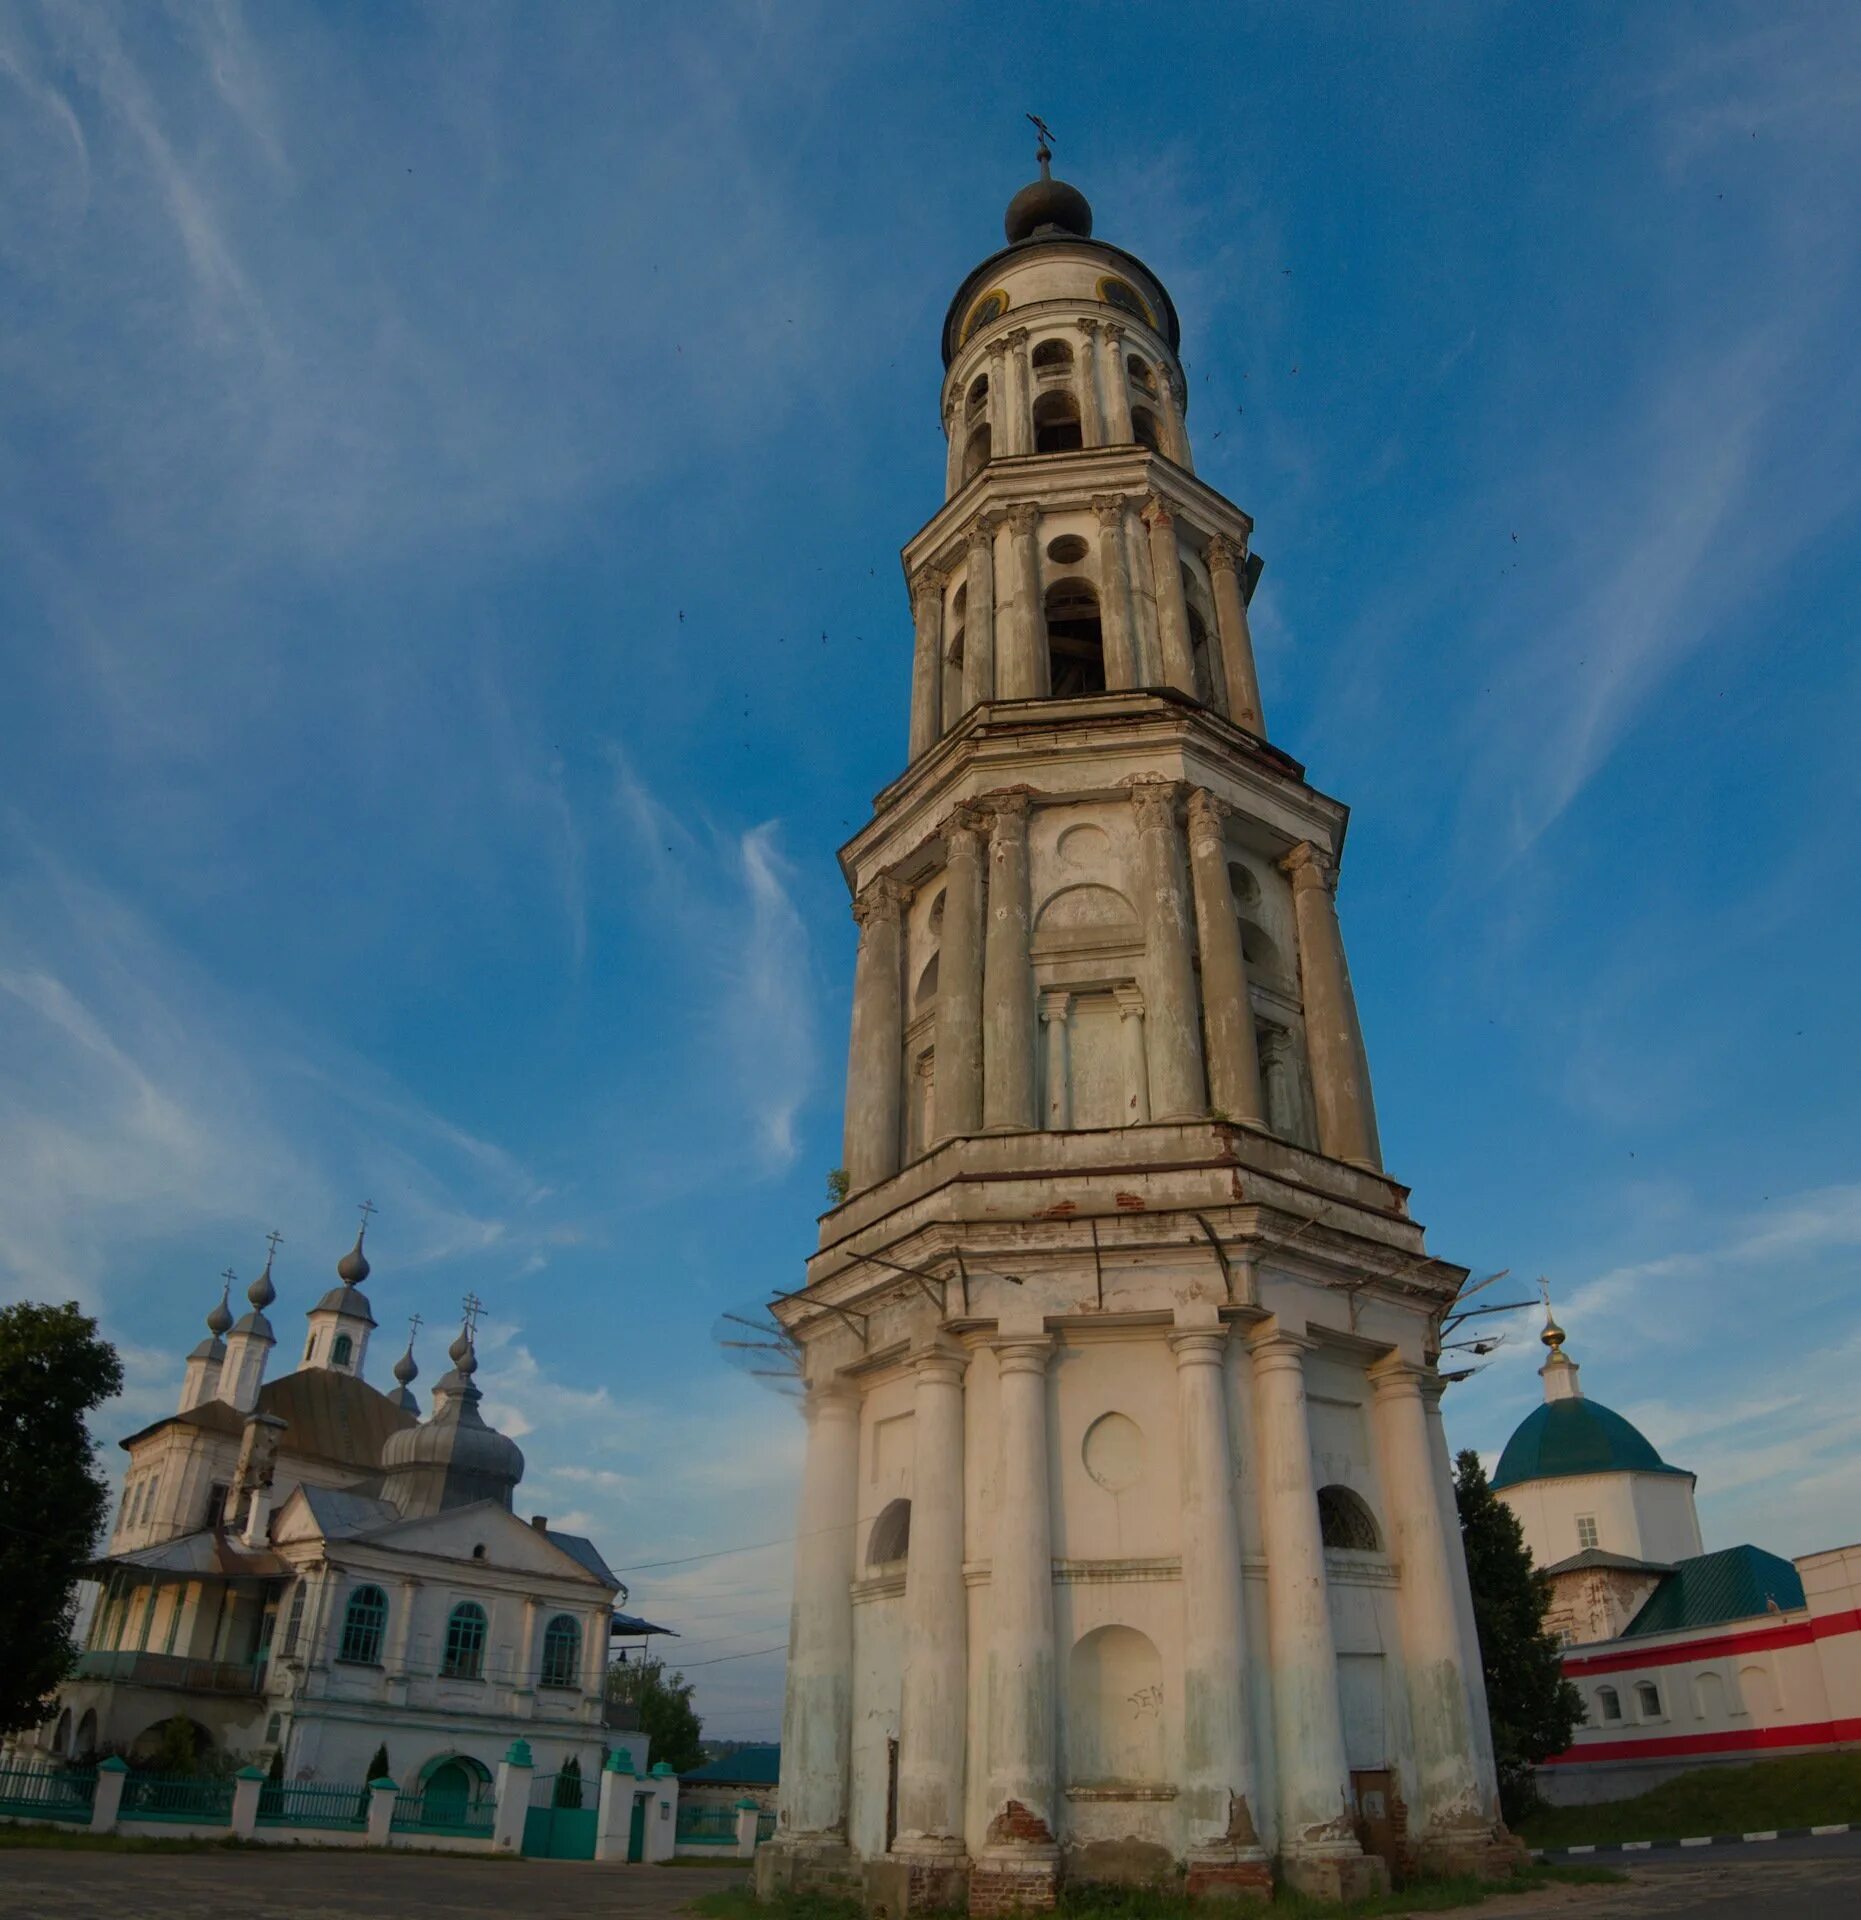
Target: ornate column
{"points": [[1174, 1039], [1217, 1786], [1054, 1007], [875, 1052], [1308, 1724], [1021, 670], [927, 660], [1279, 1075], [933, 1715], [1008, 976], [1121, 669], [979, 617], [998, 409], [1117, 389], [955, 429], [1447, 1811], [1175, 435], [1136, 1061], [958, 1088], [1166, 570], [1020, 396], [1091, 413], [1333, 1039], [1236, 637], [817, 1719], [1227, 1011], [1020, 1673]]}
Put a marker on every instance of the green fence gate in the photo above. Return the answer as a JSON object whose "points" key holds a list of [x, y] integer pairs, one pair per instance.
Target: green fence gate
{"points": [[563, 1814]]}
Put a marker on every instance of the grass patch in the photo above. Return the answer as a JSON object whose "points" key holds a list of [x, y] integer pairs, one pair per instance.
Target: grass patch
{"points": [[1807, 1790], [1148, 1903], [82, 1840]]}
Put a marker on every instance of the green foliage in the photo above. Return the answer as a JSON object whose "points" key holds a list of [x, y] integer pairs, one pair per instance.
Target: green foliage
{"points": [[1535, 1711], [663, 1702], [275, 1771], [1806, 1790], [177, 1748], [839, 1184], [378, 1767], [54, 1369], [569, 1783]]}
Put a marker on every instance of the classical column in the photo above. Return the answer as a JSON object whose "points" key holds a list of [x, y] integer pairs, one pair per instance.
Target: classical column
{"points": [[875, 1052], [1008, 976], [1166, 570], [934, 1714], [1091, 413], [958, 1090], [400, 1640], [1279, 1075], [998, 399], [1021, 668], [817, 1719], [1333, 1039], [1218, 1800], [1117, 389], [1225, 560], [1136, 1061], [1054, 1007], [1227, 1011], [1175, 435], [1020, 1672], [953, 426], [927, 660], [979, 617], [1019, 399], [1115, 594], [1174, 1039], [1308, 1724], [1445, 1801]]}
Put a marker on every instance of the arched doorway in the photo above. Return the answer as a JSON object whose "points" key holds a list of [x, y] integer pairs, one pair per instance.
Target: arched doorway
{"points": [[1075, 640], [449, 1785]]}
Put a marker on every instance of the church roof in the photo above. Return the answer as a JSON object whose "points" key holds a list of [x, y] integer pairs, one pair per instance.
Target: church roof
{"points": [[1601, 1557], [584, 1553], [192, 1556], [339, 1513], [1734, 1584], [331, 1416], [1578, 1435]]}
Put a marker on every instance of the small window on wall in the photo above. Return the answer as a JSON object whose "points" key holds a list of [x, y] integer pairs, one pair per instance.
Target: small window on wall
{"points": [[1056, 423], [1144, 429], [362, 1626], [1586, 1530], [1052, 356], [1345, 1522], [343, 1351], [978, 452], [1648, 1700], [1608, 1703], [562, 1653], [465, 1643]]}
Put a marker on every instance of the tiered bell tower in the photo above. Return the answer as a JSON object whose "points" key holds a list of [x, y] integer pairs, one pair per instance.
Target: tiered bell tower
{"points": [[1127, 1537]]}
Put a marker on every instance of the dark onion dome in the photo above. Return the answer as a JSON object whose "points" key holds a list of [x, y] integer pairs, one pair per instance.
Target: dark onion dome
{"points": [[406, 1368], [1048, 204], [220, 1319], [1567, 1437], [352, 1268], [261, 1292]]}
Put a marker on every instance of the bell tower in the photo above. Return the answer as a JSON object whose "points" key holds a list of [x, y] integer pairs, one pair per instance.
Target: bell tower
{"points": [[1127, 1532]]}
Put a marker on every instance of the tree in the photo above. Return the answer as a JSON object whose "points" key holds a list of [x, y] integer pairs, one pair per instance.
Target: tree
{"points": [[1535, 1711], [54, 1369], [378, 1767], [663, 1704], [569, 1783]]}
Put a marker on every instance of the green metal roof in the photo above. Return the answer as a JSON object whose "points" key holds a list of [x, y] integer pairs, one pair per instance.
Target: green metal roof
{"points": [[756, 1765], [1733, 1584], [1565, 1437]]}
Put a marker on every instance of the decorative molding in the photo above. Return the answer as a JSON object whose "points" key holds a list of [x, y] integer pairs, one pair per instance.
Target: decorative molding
{"points": [[1110, 510], [1116, 1572], [1154, 799], [929, 581], [1310, 868], [1157, 513], [1119, 1790], [1024, 516], [1207, 816], [883, 899], [1223, 555]]}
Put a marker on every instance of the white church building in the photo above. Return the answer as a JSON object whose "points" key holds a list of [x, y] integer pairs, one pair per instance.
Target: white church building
{"points": [[1684, 1658], [302, 1566], [1127, 1541]]}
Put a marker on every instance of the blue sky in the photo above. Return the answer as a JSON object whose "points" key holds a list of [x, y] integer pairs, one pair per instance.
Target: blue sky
{"points": [[452, 463]]}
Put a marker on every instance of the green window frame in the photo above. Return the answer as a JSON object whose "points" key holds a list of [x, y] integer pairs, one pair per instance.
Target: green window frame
{"points": [[562, 1653], [364, 1624], [465, 1643]]}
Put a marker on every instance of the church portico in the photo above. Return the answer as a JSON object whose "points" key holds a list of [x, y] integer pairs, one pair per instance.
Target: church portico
{"points": [[1124, 1547]]}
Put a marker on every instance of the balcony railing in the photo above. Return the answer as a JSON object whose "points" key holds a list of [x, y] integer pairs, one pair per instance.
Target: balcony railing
{"points": [[173, 1672]]}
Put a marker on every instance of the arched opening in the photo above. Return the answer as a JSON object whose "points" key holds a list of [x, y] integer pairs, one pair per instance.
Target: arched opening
{"points": [[1144, 429], [1243, 885], [1052, 357], [450, 1783], [889, 1543], [1199, 651], [562, 1653], [926, 994], [343, 1352], [175, 1745], [86, 1742], [1708, 1696], [464, 1658], [1056, 423], [1345, 1522], [1114, 1710], [1757, 1691], [978, 399], [61, 1736], [1075, 640], [978, 452], [954, 625], [364, 1622], [1140, 373]]}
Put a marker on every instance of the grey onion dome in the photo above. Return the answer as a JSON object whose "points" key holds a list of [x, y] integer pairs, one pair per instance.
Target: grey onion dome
{"points": [[261, 1292], [462, 1354], [407, 1368], [1047, 204], [220, 1320], [352, 1268]]}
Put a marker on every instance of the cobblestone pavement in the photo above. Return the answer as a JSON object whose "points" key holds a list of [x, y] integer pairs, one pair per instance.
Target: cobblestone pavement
{"points": [[53, 1885]]}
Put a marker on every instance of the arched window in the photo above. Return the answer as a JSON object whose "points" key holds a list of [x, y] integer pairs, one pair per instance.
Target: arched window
{"points": [[954, 624], [1056, 423], [1608, 1703], [61, 1738], [1051, 357], [890, 1539], [1345, 1522], [1648, 1700], [1144, 429], [87, 1736], [978, 400], [562, 1653], [1198, 650], [364, 1622], [1075, 642], [343, 1351], [465, 1643], [310, 1347], [978, 452], [1140, 373]]}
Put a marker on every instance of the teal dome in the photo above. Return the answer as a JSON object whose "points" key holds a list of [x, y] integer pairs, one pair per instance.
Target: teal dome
{"points": [[1565, 1437]]}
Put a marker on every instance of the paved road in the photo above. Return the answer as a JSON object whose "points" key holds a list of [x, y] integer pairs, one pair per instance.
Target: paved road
{"points": [[1826, 1846], [342, 1886]]}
